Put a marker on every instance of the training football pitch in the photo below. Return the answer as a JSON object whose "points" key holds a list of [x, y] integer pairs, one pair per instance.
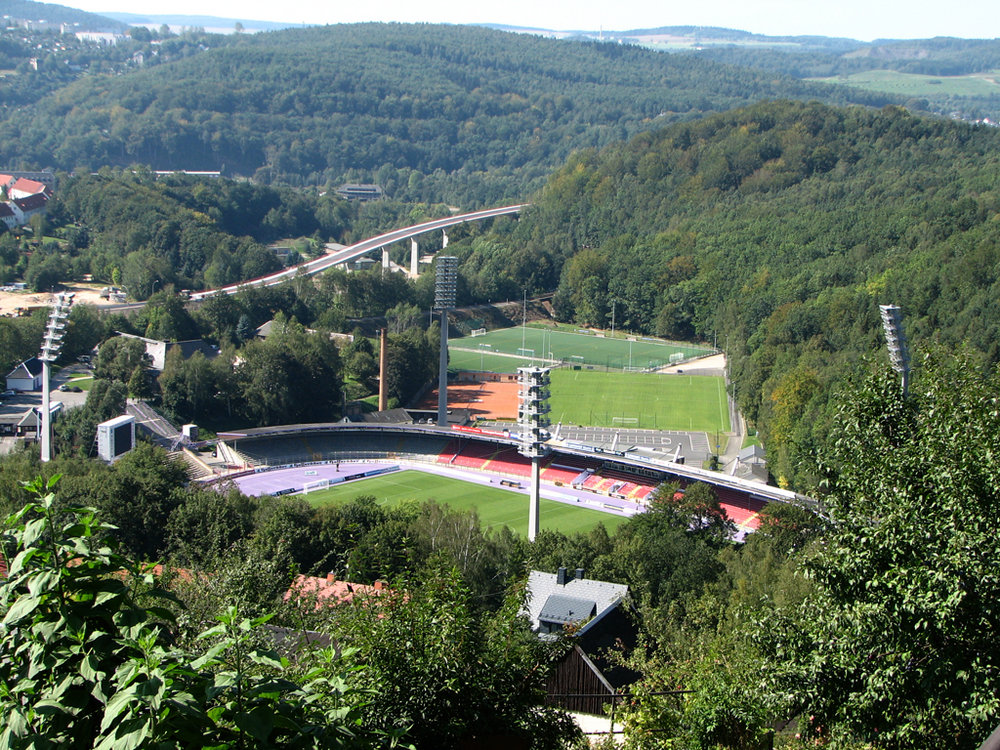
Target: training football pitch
{"points": [[495, 507], [691, 403], [546, 345], [482, 361]]}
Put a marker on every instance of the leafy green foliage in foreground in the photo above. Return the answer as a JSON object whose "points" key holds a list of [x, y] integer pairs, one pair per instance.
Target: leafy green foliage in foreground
{"points": [[876, 632], [898, 646], [86, 660]]}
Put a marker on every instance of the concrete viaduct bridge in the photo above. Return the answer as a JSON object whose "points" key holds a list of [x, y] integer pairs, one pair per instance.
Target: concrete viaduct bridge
{"points": [[358, 249]]}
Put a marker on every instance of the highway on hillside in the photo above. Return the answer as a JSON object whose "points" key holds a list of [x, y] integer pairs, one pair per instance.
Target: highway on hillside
{"points": [[360, 248]]}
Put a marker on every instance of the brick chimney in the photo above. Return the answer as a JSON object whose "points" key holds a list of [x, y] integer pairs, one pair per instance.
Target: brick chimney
{"points": [[383, 358]]}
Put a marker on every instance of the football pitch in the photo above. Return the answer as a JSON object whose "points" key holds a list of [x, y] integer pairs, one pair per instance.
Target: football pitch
{"points": [[541, 345], [495, 507], [483, 361], [691, 403]]}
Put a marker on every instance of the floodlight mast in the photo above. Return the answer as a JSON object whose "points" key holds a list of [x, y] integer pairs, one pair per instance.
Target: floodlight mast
{"points": [[895, 339], [51, 345], [444, 300], [533, 423]]}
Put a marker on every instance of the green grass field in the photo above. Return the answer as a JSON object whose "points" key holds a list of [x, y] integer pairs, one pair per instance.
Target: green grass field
{"points": [[495, 507], [694, 403], [546, 344], [459, 360], [917, 85], [82, 381]]}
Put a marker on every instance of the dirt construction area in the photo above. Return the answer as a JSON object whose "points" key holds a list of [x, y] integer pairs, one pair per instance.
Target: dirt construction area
{"points": [[11, 303]]}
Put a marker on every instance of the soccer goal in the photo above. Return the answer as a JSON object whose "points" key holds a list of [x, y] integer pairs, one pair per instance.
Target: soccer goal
{"points": [[676, 357], [319, 484], [625, 421], [478, 332], [526, 352]]}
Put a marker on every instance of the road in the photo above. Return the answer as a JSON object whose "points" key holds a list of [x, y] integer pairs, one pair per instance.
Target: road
{"points": [[361, 248]]}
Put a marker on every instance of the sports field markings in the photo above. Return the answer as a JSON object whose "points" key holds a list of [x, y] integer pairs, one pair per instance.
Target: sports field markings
{"points": [[494, 505]]}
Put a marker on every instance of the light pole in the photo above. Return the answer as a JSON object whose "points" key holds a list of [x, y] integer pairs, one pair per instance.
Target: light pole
{"points": [[51, 345], [895, 339], [533, 422], [444, 300]]}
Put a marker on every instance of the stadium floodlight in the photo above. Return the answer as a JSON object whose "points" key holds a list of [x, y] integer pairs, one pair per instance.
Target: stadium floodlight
{"points": [[895, 339], [51, 344], [445, 284], [533, 423]]}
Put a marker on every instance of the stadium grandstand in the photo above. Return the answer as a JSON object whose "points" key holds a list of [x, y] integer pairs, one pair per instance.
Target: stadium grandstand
{"points": [[622, 480]]}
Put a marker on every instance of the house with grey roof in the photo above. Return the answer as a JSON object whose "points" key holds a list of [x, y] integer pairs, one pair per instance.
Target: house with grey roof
{"points": [[598, 618], [27, 376], [158, 350], [558, 600]]}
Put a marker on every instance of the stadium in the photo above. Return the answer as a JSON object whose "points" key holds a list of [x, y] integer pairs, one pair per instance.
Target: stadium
{"points": [[599, 468], [312, 457]]}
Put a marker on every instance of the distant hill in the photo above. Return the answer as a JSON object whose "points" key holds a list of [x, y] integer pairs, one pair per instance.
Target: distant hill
{"points": [[460, 114], [27, 10], [209, 23]]}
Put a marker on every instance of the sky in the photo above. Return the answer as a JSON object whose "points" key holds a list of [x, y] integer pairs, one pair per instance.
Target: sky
{"points": [[864, 20]]}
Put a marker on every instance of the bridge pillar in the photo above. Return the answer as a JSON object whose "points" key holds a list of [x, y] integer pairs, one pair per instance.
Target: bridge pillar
{"points": [[385, 259], [414, 258], [444, 238]]}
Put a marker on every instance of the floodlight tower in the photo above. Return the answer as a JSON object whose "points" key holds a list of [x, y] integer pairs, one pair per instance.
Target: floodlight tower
{"points": [[51, 345], [444, 300], [895, 339], [533, 423]]}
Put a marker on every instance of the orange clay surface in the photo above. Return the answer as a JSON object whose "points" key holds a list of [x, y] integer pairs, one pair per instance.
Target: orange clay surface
{"points": [[485, 400]]}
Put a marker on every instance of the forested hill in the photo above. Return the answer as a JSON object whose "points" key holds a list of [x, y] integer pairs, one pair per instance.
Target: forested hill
{"points": [[464, 114], [53, 13], [779, 228]]}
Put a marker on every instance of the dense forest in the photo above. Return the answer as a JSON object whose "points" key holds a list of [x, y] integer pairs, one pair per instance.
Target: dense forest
{"points": [[443, 113], [775, 230]]}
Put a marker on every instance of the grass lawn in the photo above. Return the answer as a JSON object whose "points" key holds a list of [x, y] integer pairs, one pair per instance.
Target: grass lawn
{"points": [[495, 507], [914, 84], [459, 360], [694, 403], [548, 344], [81, 381]]}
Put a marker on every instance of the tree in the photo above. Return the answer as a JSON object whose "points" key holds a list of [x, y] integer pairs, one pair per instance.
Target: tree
{"points": [[84, 331], [897, 647], [118, 358], [189, 386], [461, 676], [85, 660]]}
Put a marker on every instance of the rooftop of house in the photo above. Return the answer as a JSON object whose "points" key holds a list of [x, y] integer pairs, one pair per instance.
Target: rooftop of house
{"points": [[29, 367], [568, 597], [328, 590]]}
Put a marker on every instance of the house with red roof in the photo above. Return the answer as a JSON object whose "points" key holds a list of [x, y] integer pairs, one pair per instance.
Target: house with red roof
{"points": [[22, 187], [328, 591], [25, 198]]}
